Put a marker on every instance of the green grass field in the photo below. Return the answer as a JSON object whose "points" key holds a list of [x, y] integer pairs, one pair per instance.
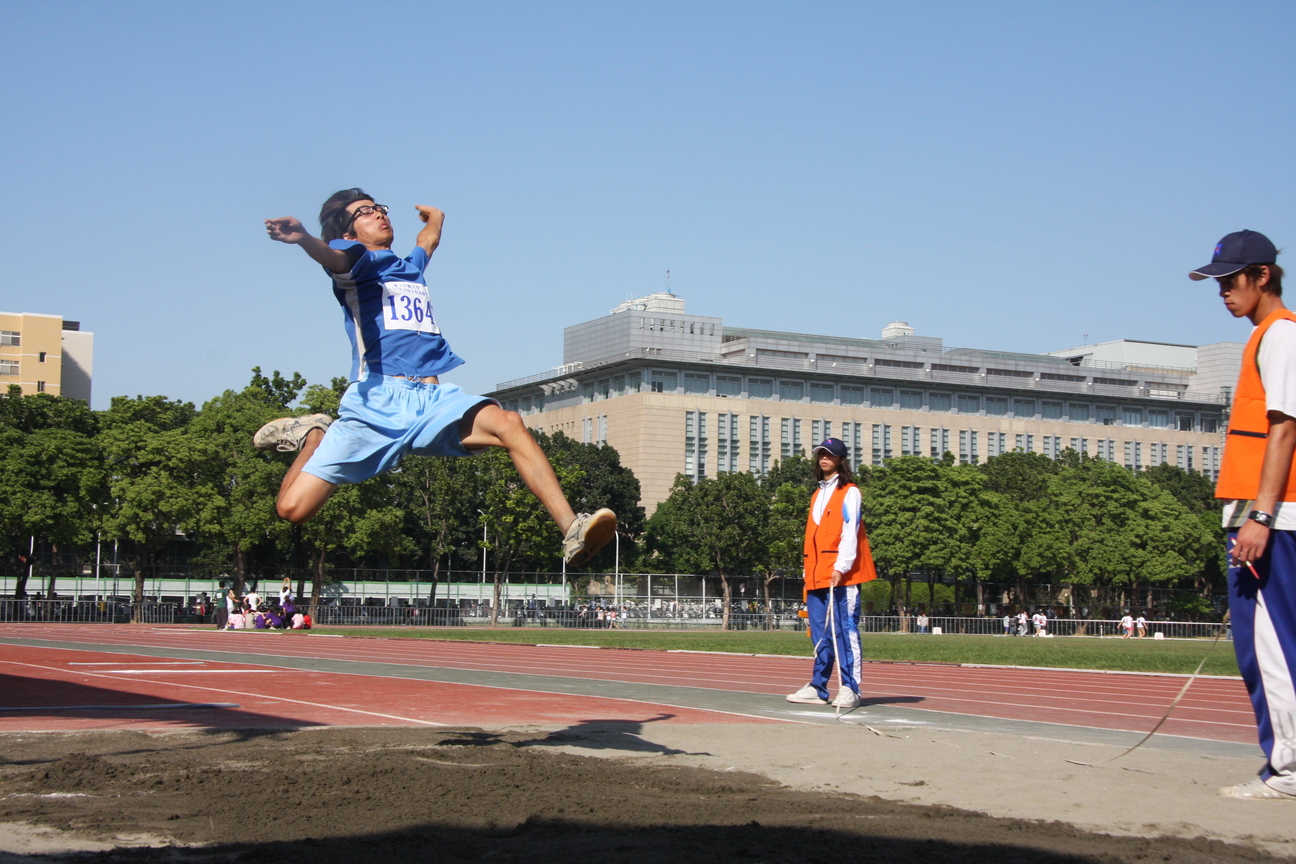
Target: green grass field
{"points": [[1124, 655]]}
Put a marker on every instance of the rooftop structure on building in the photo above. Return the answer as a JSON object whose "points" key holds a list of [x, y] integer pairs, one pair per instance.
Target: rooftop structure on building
{"points": [[46, 354], [680, 393]]}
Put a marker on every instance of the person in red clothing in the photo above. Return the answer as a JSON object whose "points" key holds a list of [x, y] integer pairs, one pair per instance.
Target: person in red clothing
{"points": [[837, 561]]}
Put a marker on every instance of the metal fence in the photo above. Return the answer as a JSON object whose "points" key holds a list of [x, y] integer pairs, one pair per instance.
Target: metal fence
{"points": [[91, 612]]}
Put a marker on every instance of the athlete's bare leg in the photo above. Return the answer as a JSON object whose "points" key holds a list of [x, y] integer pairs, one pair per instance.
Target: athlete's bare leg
{"points": [[491, 426], [302, 495]]}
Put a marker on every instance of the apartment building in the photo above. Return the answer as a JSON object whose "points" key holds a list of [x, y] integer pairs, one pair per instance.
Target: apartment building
{"points": [[679, 393], [46, 354]]}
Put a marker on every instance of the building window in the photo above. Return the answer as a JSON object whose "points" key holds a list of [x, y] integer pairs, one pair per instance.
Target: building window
{"points": [[881, 397], [1211, 462], [1051, 410], [911, 400], [1106, 415], [1024, 408], [996, 444], [8, 367], [996, 406], [820, 429], [1184, 422], [852, 395], [695, 444], [1210, 425], [618, 385], [41, 357], [791, 391], [791, 437], [40, 386], [602, 429], [663, 382], [1107, 449], [1025, 443], [10, 337], [967, 447], [1079, 412], [728, 385], [1181, 451], [939, 443], [939, 402], [1159, 419], [587, 392], [1158, 454], [1133, 455], [727, 443], [1052, 446], [910, 441], [587, 430], [603, 389], [758, 446], [633, 381], [697, 384], [881, 443], [969, 404], [1131, 416], [1080, 445], [822, 394], [760, 388], [851, 437]]}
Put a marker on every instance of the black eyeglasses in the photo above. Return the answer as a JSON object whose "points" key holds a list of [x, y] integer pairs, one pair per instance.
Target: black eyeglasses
{"points": [[365, 210]]}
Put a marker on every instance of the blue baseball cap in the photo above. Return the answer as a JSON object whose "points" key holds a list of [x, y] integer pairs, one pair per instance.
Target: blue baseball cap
{"points": [[833, 446], [1235, 252]]}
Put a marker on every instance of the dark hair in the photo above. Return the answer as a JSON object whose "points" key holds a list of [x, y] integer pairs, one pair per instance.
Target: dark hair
{"points": [[1255, 272], [334, 220], [844, 474]]}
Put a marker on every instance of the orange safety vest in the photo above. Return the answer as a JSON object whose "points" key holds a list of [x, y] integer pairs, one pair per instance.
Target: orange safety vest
{"points": [[821, 543], [1248, 427]]}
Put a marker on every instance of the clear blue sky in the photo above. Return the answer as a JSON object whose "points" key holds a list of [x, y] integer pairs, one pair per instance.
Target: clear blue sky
{"points": [[1003, 175]]}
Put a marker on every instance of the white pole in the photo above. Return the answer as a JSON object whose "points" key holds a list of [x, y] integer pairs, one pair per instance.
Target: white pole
{"points": [[31, 556], [97, 560], [616, 572]]}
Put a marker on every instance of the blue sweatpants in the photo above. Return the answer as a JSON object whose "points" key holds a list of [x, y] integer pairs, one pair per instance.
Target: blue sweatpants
{"points": [[1263, 615], [846, 619]]}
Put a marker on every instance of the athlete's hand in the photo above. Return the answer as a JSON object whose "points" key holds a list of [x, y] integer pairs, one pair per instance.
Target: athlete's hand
{"points": [[430, 215], [430, 235], [286, 229]]}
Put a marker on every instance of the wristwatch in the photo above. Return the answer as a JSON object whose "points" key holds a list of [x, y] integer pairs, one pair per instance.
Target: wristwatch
{"points": [[1265, 519]]}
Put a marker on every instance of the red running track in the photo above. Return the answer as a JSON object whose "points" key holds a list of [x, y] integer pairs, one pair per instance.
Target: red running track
{"points": [[1214, 708]]}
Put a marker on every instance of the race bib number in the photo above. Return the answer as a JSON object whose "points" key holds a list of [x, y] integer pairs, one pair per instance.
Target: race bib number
{"points": [[406, 307]]}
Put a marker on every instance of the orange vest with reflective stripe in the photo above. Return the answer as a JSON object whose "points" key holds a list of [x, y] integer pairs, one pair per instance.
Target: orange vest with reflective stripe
{"points": [[821, 543], [1248, 427]]}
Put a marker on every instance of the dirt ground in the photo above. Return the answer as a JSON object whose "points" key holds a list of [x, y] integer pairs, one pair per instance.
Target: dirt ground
{"points": [[394, 795]]}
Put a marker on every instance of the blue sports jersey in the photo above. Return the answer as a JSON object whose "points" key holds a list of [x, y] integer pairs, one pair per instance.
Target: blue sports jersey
{"points": [[388, 316]]}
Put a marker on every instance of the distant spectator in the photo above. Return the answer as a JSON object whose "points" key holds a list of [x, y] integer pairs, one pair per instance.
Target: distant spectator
{"points": [[252, 600], [298, 621], [923, 621], [1007, 622], [1141, 623], [1127, 626]]}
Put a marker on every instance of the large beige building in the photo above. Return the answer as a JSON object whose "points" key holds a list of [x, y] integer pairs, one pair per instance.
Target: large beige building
{"points": [[45, 354], [677, 393]]}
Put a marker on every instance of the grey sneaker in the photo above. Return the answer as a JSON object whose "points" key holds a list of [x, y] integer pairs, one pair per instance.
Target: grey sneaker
{"points": [[807, 695], [287, 433], [846, 699], [1256, 790], [587, 534]]}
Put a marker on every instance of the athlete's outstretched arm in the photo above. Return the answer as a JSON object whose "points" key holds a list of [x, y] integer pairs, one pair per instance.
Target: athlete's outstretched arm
{"points": [[430, 237], [289, 229]]}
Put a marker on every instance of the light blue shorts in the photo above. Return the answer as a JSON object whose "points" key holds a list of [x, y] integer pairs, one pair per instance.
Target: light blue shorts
{"points": [[383, 419]]}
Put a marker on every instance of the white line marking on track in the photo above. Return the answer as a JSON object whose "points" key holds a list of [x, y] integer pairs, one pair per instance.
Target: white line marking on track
{"points": [[147, 707]]}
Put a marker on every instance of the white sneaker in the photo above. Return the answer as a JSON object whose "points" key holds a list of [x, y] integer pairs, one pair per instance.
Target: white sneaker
{"points": [[1256, 790], [287, 433], [807, 695], [587, 534], [846, 699]]}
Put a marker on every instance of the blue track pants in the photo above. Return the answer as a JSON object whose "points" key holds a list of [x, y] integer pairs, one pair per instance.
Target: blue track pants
{"points": [[846, 619], [1263, 615]]}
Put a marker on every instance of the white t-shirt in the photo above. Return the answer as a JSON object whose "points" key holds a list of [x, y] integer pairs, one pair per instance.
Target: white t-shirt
{"points": [[254, 600], [1277, 361]]}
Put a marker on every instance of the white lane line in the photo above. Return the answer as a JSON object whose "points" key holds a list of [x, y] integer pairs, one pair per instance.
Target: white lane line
{"points": [[146, 663], [248, 695], [149, 707]]}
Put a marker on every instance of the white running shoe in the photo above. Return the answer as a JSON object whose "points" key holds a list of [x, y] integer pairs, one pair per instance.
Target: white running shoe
{"points": [[287, 433], [587, 534], [1256, 790], [807, 695], [846, 699]]}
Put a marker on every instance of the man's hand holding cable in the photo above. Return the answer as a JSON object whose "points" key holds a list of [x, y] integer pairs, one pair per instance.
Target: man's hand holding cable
{"points": [[1252, 537]]}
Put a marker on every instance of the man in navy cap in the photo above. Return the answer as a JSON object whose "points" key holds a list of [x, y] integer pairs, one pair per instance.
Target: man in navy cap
{"points": [[1258, 484]]}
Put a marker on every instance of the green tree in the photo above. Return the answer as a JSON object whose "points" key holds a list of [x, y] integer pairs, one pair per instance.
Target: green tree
{"points": [[785, 537], [797, 469], [604, 482], [161, 478], [714, 526], [439, 498]]}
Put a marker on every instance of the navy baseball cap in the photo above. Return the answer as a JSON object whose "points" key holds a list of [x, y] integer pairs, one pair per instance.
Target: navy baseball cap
{"points": [[833, 446], [1236, 251]]}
